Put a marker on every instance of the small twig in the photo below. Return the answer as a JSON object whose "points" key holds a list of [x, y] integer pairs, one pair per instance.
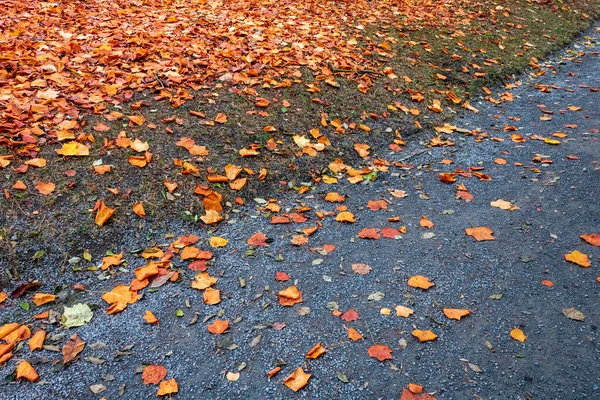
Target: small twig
{"points": [[436, 321], [472, 226], [159, 81], [416, 153], [370, 334]]}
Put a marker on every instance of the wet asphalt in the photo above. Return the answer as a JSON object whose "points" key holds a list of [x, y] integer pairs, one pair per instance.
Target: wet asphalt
{"points": [[498, 281]]}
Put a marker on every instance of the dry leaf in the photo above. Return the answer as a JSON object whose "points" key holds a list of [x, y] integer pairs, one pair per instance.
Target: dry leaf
{"points": [[26, 370], [420, 282], [380, 352], [424, 336], [480, 233], [218, 326], [361, 269], [297, 379], [591, 238], [103, 214], [578, 258], [455, 313], [72, 348], [518, 335], [402, 311], [167, 387], [574, 314], [316, 351], [153, 374]]}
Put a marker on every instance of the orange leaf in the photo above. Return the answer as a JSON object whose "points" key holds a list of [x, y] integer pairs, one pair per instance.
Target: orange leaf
{"points": [[455, 313], [426, 223], [43, 298], [480, 233], [218, 327], [7, 329], [290, 296], [299, 240], [518, 335], [369, 233], [138, 209], [151, 319], [167, 387], [203, 280], [297, 379], [211, 217], [350, 315], [578, 258], [547, 282], [591, 238], [153, 374], [45, 188], [402, 311], [137, 161], [273, 372], [37, 340], [258, 239], [420, 282], [334, 197], [212, 296], [103, 214], [3, 297], [26, 370], [354, 335], [316, 351], [414, 388], [36, 162], [345, 216], [424, 336], [282, 276], [72, 348], [380, 352], [136, 119], [221, 118], [147, 271], [447, 177]]}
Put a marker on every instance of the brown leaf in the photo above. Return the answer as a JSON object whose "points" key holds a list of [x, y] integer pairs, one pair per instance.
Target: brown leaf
{"points": [[72, 348]]}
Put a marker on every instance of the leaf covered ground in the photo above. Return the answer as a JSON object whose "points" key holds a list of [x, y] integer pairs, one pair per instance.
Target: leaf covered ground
{"points": [[223, 197]]}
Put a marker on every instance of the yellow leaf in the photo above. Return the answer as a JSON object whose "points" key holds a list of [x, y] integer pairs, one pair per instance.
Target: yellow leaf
{"points": [[217, 241], [424, 336], [73, 149], [518, 335], [455, 313]]}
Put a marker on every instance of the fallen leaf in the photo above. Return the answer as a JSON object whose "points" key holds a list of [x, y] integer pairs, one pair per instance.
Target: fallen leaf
{"points": [[45, 188], [317, 351], [211, 296], [578, 258], [37, 340], [574, 314], [217, 242], [350, 315], [424, 336], [426, 223], [138, 209], [72, 348], [167, 387], [218, 327], [518, 335], [380, 352], [103, 214], [297, 379], [420, 282], [361, 269], [153, 374], [43, 298], [345, 216], [480, 233], [591, 238], [258, 239], [290, 296], [151, 319], [26, 370], [455, 313], [402, 311], [354, 335]]}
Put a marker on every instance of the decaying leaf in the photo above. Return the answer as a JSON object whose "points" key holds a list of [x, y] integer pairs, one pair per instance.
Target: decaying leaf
{"points": [[72, 348], [574, 314], [480, 233]]}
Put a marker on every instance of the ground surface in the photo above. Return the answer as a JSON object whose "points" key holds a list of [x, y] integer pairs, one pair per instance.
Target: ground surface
{"points": [[499, 282]]}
